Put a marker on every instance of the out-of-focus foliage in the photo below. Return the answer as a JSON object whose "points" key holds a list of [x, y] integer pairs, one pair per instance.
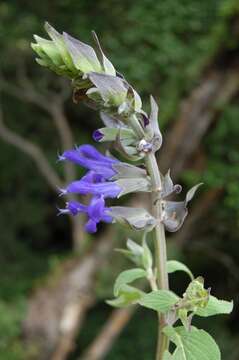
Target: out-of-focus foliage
{"points": [[162, 47]]}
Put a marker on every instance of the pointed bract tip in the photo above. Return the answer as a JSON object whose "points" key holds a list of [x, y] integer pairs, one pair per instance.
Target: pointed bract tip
{"points": [[50, 29], [94, 34], [47, 25]]}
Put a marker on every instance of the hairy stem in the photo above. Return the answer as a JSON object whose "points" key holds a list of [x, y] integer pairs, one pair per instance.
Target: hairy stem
{"points": [[160, 245]]}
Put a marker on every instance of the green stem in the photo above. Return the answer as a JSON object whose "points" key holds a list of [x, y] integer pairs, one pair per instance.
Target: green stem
{"points": [[160, 242], [160, 246]]}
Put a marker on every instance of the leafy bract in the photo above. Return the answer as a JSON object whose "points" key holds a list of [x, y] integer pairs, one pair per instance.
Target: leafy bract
{"points": [[137, 218], [133, 185]]}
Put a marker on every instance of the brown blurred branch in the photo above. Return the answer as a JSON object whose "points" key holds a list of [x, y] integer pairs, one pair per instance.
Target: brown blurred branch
{"points": [[52, 102], [196, 115], [31, 150], [64, 305], [101, 345]]}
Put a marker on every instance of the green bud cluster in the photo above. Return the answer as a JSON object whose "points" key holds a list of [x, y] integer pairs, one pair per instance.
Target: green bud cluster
{"points": [[70, 57]]}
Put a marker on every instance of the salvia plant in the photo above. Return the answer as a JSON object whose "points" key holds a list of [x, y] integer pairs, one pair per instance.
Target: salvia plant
{"points": [[137, 137]]}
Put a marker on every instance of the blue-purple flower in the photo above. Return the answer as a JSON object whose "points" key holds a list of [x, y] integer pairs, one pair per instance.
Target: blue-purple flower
{"points": [[88, 157], [96, 182], [108, 189], [107, 177], [96, 212]]}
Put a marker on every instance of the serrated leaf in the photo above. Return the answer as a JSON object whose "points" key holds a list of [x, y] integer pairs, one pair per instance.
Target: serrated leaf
{"points": [[215, 307], [174, 265], [159, 300], [192, 345], [127, 277]]}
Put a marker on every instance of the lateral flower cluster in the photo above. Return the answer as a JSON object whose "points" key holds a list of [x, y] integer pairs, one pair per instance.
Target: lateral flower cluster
{"points": [[134, 133]]}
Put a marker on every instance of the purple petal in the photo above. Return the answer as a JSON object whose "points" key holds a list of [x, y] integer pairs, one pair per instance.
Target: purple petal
{"points": [[107, 218], [92, 177], [97, 135], [88, 157], [90, 152], [107, 189], [75, 207], [96, 208], [91, 226], [145, 120]]}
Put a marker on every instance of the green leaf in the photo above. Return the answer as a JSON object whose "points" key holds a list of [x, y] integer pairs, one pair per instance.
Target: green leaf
{"points": [[160, 300], [167, 355], [174, 265], [128, 295], [127, 277], [136, 249], [215, 306], [134, 252], [192, 345]]}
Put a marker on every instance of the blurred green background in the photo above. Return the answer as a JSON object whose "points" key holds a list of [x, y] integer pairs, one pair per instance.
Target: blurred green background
{"points": [[162, 47]]}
